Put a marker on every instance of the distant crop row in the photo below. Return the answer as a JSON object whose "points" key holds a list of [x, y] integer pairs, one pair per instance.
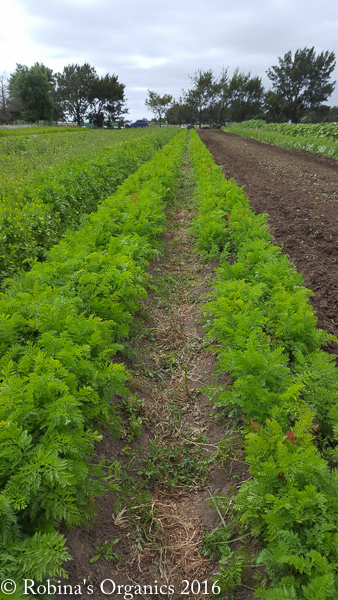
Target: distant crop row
{"points": [[319, 130], [320, 138], [284, 384], [24, 158], [35, 129], [34, 216], [60, 325]]}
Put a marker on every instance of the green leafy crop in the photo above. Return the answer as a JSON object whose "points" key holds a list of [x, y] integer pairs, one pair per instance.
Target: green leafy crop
{"points": [[321, 138], [34, 215], [60, 324], [264, 333]]}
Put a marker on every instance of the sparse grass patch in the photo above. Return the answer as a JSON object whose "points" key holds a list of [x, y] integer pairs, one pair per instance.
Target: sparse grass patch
{"points": [[176, 464]]}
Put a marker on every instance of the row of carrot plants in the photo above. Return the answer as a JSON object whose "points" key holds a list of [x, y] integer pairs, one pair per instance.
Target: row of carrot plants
{"points": [[263, 330], [60, 323], [298, 137], [33, 218]]}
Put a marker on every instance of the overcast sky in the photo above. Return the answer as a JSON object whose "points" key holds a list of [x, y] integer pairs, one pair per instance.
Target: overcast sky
{"points": [[156, 45]]}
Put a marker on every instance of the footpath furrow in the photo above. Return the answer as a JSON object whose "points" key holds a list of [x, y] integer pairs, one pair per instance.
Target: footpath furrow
{"points": [[181, 466]]}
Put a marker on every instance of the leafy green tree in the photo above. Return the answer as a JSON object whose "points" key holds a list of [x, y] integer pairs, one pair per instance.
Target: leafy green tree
{"points": [[303, 80], [189, 110], [9, 106], [224, 95], [246, 95], [333, 114], [75, 91], [319, 115], [204, 94], [274, 107], [32, 91], [158, 104], [107, 100], [216, 100], [180, 112], [174, 114]]}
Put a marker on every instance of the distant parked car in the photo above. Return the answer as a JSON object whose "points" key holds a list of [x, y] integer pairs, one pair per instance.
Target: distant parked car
{"points": [[190, 127], [140, 123]]}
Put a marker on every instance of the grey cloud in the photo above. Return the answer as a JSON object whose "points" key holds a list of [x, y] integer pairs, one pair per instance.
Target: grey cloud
{"points": [[156, 46]]}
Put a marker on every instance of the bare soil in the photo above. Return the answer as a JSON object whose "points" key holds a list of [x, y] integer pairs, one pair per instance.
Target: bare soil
{"points": [[299, 192]]}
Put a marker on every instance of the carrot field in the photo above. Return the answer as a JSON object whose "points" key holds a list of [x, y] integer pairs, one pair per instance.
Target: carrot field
{"points": [[169, 405]]}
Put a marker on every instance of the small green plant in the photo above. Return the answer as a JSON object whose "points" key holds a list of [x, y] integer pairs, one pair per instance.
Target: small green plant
{"points": [[132, 406], [232, 574], [224, 451], [135, 428], [216, 543], [179, 464], [106, 551]]}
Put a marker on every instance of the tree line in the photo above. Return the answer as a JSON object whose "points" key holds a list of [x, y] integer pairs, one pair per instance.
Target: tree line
{"points": [[300, 87], [78, 93]]}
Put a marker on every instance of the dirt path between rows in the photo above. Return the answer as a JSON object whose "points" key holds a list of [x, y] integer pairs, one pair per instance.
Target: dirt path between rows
{"points": [[169, 468], [299, 191]]}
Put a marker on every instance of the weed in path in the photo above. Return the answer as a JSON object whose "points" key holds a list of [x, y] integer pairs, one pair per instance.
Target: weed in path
{"points": [[106, 550], [175, 464]]}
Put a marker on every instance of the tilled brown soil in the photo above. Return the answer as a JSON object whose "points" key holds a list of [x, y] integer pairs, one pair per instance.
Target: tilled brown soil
{"points": [[299, 192]]}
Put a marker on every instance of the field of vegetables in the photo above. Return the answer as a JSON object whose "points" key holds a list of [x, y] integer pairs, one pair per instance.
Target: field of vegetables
{"points": [[321, 138], [61, 178], [61, 323], [117, 282], [285, 385], [25, 157]]}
